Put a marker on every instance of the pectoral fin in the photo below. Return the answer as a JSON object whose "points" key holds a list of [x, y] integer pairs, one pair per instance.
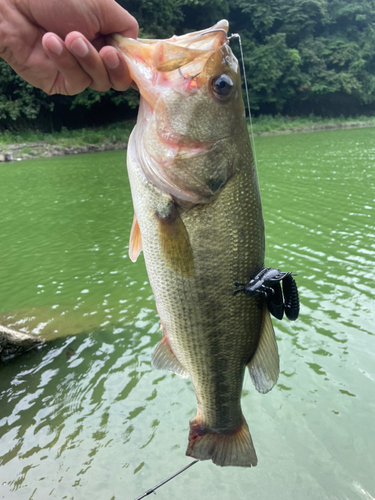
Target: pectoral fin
{"points": [[175, 243], [135, 241], [164, 359], [264, 365]]}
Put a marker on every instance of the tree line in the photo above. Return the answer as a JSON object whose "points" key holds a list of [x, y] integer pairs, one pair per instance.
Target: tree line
{"points": [[301, 57]]}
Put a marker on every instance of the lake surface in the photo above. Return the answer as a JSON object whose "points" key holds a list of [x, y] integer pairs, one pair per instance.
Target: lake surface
{"points": [[86, 416]]}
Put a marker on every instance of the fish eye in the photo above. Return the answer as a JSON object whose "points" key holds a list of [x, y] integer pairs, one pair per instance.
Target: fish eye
{"points": [[222, 86]]}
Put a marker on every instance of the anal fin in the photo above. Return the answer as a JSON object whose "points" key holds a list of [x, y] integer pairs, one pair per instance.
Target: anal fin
{"points": [[164, 359], [264, 366], [135, 240]]}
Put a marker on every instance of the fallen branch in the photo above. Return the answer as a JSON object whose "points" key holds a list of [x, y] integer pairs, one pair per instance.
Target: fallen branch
{"points": [[13, 342]]}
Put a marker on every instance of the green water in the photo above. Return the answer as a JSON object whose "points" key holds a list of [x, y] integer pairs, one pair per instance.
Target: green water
{"points": [[86, 416]]}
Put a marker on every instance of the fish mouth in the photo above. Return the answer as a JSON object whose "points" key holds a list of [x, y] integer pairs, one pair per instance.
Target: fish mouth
{"points": [[204, 40], [176, 62], [177, 152]]}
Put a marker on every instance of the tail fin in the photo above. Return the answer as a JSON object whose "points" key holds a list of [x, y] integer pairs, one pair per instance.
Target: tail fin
{"points": [[224, 448]]}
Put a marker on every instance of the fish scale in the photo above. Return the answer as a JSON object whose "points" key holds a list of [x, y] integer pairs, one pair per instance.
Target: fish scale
{"points": [[198, 242]]}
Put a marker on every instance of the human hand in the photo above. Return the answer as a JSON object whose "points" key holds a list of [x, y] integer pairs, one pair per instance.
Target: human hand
{"points": [[37, 40]]}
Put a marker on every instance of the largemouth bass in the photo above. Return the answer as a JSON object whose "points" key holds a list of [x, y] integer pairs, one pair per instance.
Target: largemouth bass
{"points": [[198, 219]]}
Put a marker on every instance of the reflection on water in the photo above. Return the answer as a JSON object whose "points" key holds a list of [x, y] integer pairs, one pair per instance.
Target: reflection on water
{"points": [[86, 416]]}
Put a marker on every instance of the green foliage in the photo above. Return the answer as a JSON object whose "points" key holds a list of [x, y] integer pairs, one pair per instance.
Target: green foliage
{"points": [[334, 53], [273, 71], [156, 19], [18, 99], [301, 56], [200, 14]]}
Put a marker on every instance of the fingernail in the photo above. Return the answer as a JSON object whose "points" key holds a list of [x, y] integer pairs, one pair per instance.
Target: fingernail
{"points": [[112, 59], [79, 48], [54, 45]]}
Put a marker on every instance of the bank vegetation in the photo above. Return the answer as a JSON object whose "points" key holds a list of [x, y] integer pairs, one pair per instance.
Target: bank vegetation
{"points": [[302, 57]]}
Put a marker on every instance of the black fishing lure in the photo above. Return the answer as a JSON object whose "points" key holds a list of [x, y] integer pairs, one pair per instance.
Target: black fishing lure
{"points": [[267, 284]]}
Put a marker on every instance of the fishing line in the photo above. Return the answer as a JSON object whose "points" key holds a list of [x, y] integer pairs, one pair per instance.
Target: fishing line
{"points": [[236, 35], [148, 492]]}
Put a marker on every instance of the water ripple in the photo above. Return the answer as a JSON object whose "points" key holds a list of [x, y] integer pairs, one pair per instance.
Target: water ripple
{"points": [[87, 415]]}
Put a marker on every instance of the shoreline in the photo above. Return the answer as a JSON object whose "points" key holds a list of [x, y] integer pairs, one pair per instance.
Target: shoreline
{"points": [[44, 149], [318, 127]]}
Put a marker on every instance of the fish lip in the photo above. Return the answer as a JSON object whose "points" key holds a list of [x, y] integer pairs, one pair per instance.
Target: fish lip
{"points": [[222, 25], [151, 59], [128, 45]]}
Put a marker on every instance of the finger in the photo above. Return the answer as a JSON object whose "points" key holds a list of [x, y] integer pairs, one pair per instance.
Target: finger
{"points": [[115, 19], [117, 68], [89, 60], [71, 79]]}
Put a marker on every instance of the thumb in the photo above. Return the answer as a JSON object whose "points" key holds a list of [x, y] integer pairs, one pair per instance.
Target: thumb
{"points": [[115, 19]]}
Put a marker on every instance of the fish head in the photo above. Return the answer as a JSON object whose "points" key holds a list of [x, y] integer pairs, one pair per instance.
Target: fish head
{"points": [[191, 113]]}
